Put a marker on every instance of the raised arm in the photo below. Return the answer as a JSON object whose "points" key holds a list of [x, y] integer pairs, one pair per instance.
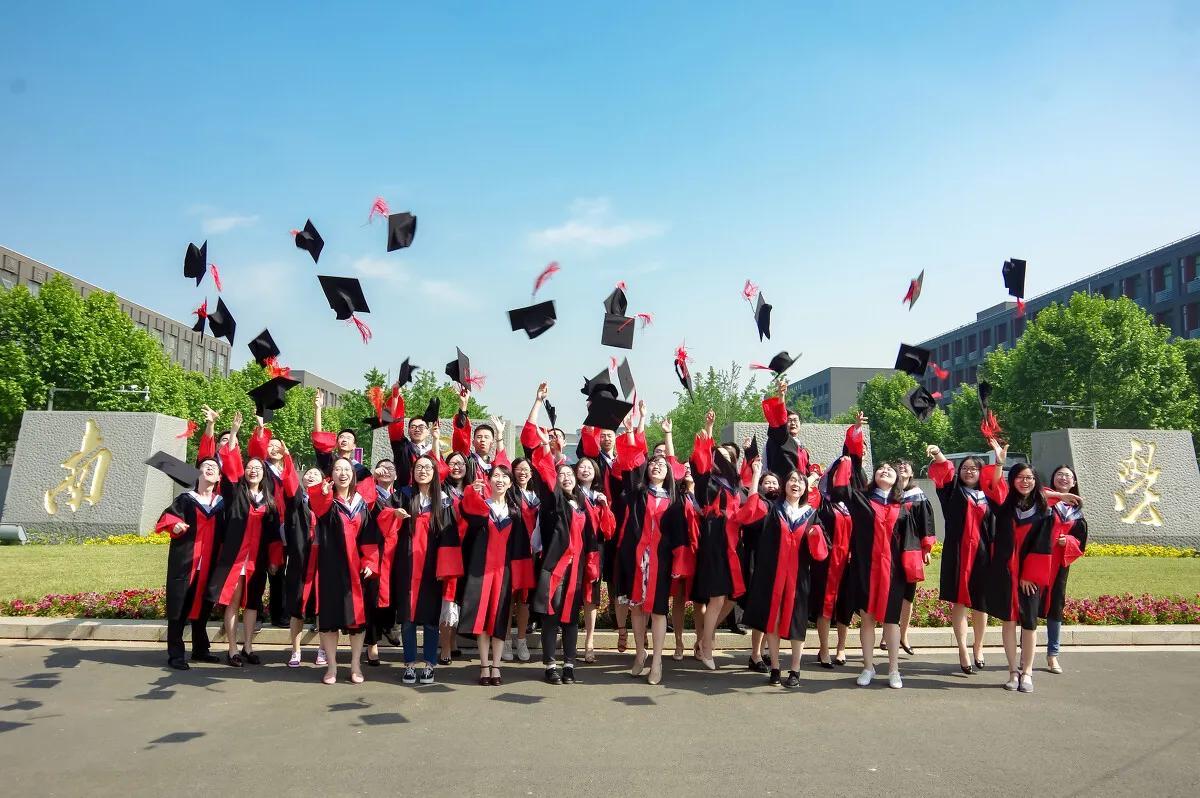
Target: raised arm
{"points": [[460, 440], [530, 439]]}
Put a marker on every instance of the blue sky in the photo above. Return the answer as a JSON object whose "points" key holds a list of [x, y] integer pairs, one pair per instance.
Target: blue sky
{"points": [[828, 152]]}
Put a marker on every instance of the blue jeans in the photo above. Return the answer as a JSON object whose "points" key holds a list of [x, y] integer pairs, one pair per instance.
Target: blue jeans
{"points": [[1053, 628], [429, 649]]}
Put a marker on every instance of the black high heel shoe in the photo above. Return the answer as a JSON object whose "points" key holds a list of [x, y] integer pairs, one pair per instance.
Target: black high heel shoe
{"points": [[979, 663], [839, 661], [828, 665], [907, 649]]}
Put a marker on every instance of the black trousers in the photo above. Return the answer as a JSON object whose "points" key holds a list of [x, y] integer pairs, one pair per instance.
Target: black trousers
{"points": [[175, 627], [279, 616], [551, 626]]}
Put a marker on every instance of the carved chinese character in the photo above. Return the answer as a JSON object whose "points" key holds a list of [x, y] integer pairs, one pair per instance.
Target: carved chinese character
{"points": [[92, 460], [1137, 475]]}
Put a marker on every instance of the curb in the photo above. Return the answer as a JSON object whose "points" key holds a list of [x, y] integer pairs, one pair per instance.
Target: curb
{"points": [[37, 628]]}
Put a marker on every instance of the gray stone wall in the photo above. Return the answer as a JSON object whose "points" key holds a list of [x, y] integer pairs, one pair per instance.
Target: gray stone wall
{"points": [[131, 496], [1138, 486]]}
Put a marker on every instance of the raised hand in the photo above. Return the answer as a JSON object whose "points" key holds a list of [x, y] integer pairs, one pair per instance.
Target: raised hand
{"points": [[543, 391], [479, 485], [179, 528], [464, 396], [860, 418], [319, 399], [933, 451], [666, 426], [499, 427], [641, 408], [326, 486]]}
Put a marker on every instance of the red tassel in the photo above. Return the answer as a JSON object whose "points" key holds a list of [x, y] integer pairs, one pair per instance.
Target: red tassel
{"points": [[1020, 308], [544, 276], [379, 208], [275, 370], [375, 395], [647, 319], [939, 371], [612, 363], [990, 426], [294, 233], [192, 426], [216, 275], [475, 381], [760, 367], [621, 284], [936, 394], [749, 291], [681, 353], [363, 329], [202, 311]]}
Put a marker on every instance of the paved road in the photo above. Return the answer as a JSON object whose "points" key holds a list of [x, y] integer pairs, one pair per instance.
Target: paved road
{"points": [[105, 719]]}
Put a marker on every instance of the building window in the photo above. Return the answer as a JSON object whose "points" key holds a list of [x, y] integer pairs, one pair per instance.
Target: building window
{"points": [[959, 375], [972, 342], [172, 345], [1163, 278], [972, 374], [221, 363], [945, 351], [985, 338], [958, 348], [1106, 291], [1131, 286], [9, 281], [1189, 267], [34, 287], [1002, 333], [1191, 316]]}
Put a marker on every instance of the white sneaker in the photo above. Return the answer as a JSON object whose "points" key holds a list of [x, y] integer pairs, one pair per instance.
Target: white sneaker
{"points": [[506, 654], [522, 650], [1026, 683], [894, 680], [864, 678], [1014, 681]]}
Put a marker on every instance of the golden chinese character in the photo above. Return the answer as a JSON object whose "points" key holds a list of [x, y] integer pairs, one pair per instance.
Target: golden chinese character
{"points": [[92, 457], [1136, 473]]}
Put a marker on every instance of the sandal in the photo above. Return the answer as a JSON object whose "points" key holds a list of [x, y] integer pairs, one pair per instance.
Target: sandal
{"points": [[294, 660], [678, 655], [589, 656], [484, 678], [250, 658], [622, 640], [496, 681], [234, 661]]}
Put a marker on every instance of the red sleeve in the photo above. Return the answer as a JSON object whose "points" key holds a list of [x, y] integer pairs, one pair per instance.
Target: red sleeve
{"points": [[774, 411], [324, 442], [257, 445], [991, 482], [389, 522], [683, 562], [608, 522], [396, 407], [814, 495], [291, 479], [368, 555], [639, 437], [854, 441], [678, 469], [593, 566], [529, 436], [474, 504], [928, 542], [318, 501], [1036, 568], [942, 473], [746, 473], [501, 458], [231, 461], [443, 469], [460, 440], [629, 455], [842, 470], [366, 489], [817, 546], [751, 511], [702, 455], [208, 447], [449, 564], [589, 438], [543, 461], [1072, 551], [166, 523], [396, 430]]}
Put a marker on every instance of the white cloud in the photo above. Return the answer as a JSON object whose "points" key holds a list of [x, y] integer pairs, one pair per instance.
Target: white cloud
{"points": [[381, 268], [591, 225], [223, 224], [400, 272]]}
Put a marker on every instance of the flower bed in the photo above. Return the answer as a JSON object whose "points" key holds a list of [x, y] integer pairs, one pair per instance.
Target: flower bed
{"points": [[138, 603], [131, 539]]}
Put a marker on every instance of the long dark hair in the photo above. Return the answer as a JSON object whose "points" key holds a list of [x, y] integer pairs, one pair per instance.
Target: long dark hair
{"points": [[533, 474], [905, 461], [352, 488], [510, 496], [595, 470], [896, 493], [413, 499], [668, 482], [576, 492], [978, 464], [263, 486], [1074, 477], [1035, 498]]}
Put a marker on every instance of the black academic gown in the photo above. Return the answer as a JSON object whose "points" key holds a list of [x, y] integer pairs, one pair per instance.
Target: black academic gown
{"points": [[570, 556], [777, 600], [966, 547], [192, 552], [345, 541], [413, 580], [496, 560]]}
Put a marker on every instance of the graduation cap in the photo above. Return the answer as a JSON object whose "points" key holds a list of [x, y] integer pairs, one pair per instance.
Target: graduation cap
{"points": [[681, 369], [616, 303], [625, 377], [921, 402], [914, 289], [263, 347], [1013, 272], [459, 370], [201, 314], [762, 317], [221, 322], [271, 395], [377, 420], [195, 261], [752, 450], [406, 373], [345, 295], [606, 412], [309, 240], [601, 383], [913, 360], [186, 474], [779, 364], [402, 227], [551, 413], [533, 319], [985, 394], [618, 331], [432, 411]]}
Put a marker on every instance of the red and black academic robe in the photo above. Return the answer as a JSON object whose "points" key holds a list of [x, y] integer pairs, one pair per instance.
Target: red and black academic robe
{"points": [[379, 609], [324, 445], [346, 540], [882, 544], [685, 571], [718, 567], [300, 570], [777, 600], [192, 552], [783, 453], [966, 548], [571, 557], [1013, 525], [412, 578], [477, 464], [251, 541], [495, 560], [831, 596], [1048, 563], [651, 540], [605, 525], [404, 451]]}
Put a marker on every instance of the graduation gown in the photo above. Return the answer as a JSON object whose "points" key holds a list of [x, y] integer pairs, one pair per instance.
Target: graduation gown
{"points": [[783, 453], [251, 538], [404, 451], [495, 560], [786, 546], [604, 524], [379, 607], [324, 446], [685, 569], [1048, 563], [968, 539], [412, 575], [651, 540], [718, 566], [192, 552], [299, 571], [571, 557], [345, 541], [1012, 526], [829, 590]]}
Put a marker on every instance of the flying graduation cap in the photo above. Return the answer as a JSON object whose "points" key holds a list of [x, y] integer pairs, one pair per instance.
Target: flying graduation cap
{"points": [[762, 317], [605, 412], [195, 261], [346, 298], [1013, 272], [406, 373], [599, 384], [402, 228], [459, 370], [271, 395], [617, 331], [533, 319], [913, 360], [779, 364], [681, 369], [625, 377], [380, 419], [921, 402], [432, 411], [309, 240], [551, 413], [914, 289], [263, 348], [220, 322], [185, 474]]}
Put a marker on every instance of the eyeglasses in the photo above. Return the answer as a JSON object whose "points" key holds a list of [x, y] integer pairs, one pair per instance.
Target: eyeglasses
{"points": [[971, 468], [423, 467]]}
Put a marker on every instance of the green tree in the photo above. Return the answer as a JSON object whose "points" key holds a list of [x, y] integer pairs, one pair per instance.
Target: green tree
{"points": [[425, 386], [895, 431], [1189, 348], [965, 415], [1092, 351], [719, 390]]}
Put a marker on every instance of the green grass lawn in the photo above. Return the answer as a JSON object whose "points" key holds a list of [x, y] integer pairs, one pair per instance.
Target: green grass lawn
{"points": [[30, 572]]}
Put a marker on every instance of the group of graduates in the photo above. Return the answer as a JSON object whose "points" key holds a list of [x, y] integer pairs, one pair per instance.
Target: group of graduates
{"points": [[469, 542]]}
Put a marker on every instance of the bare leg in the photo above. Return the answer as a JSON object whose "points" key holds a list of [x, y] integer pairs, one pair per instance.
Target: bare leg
{"points": [[445, 641], [497, 644], [891, 640], [866, 633], [249, 618], [958, 620], [295, 627], [712, 618], [773, 648], [1028, 647], [756, 643], [843, 633], [1008, 633], [658, 634], [979, 623], [905, 619], [589, 632], [356, 649], [523, 620], [329, 642], [639, 641], [230, 617], [823, 639], [797, 653], [485, 655]]}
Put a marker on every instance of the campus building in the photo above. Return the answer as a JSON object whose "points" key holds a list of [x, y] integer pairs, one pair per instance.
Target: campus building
{"points": [[333, 391], [191, 350], [835, 389]]}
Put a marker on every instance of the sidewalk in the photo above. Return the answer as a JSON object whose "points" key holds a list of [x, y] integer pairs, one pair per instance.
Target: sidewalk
{"points": [[33, 628]]}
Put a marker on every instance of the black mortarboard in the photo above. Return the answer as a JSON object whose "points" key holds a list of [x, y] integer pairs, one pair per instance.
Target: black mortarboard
{"points": [[600, 383], [377, 420], [762, 316], [985, 394], [533, 319], [459, 369], [752, 450], [345, 295], [618, 331], [782, 362], [914, 289], [310, 240], [551, 413], [625, 377], [402, 227], [684, 374], [185, 474], [913, 360], [432, 411], [406, 373], [616, 303], [921, 402], [1014, 277], [195, 261], [271, 395], [263, 347], [221, 322], [606, 413]]}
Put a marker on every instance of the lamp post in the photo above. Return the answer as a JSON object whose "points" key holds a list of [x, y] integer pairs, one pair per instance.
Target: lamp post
{"points": [[1091, 407]]}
